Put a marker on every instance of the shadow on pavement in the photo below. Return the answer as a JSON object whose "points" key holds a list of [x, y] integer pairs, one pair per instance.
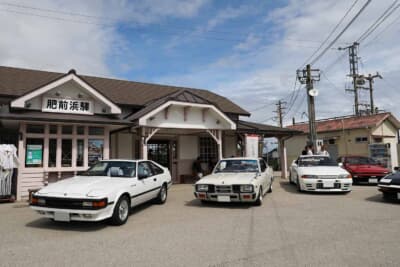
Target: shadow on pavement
{"points": [[291, 188], [379, 198], [77, 226], [45, 223], [218, 205]]}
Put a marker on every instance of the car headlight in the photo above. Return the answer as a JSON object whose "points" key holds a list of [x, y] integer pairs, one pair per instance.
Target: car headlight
{"points": [[307, 176], [344, 176], [202, 187], [95, 204], [246, 188]]}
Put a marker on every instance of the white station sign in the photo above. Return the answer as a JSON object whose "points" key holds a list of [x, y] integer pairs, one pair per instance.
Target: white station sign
{"points": [[59, 105]]}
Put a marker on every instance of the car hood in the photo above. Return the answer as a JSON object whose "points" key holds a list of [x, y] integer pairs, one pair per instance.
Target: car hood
{"points": [[355, 168], [228, 178], [81, 186], [322, 170]]}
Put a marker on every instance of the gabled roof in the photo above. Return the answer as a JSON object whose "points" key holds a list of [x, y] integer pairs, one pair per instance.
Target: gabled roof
{"points": [[347, 123], [16, 82]]}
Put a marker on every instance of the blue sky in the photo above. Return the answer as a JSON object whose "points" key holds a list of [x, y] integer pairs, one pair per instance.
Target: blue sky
{"points": [[247, 51]]}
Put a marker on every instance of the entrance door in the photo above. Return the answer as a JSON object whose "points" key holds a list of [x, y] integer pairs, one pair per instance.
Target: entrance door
{"points": [[158, 151]]}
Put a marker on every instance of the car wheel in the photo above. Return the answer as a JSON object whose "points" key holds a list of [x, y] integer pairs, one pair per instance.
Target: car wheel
{"points": [[270, 188], [386, 196], [259, 200], [290, 178], [298, 184], [121, 211], [162, 195]]}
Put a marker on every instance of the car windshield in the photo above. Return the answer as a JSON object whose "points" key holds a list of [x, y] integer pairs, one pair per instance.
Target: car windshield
{"points": [[315, 161], [112, 169], [236, 165], [361, 161]]}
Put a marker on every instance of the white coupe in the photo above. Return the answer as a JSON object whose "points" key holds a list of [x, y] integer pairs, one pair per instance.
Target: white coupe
{"points": [[106, 191], [319, 173], [236, 180]]}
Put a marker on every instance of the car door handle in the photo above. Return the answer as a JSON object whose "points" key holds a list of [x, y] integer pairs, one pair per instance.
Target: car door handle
{"points": [[155, 179]]}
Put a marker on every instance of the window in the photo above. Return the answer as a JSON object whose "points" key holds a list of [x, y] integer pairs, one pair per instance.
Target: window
{"points": [[66, 152], [34, 152], [95, 150], [96, 131], [208, 149], [52, 152], [36, 129], [144, 170], [80, 152], [80, 130], [378, 139], [53, 129], [362, 139], [155, 169], [113, 169], [263, 166], [66, 129]]}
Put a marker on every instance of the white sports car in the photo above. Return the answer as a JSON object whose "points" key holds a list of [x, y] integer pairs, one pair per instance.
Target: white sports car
{"points": [[319, 173], [236, 180], [107, 190]]}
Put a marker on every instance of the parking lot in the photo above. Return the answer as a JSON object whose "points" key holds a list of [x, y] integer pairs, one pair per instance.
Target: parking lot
{"points": [[290, 229]]}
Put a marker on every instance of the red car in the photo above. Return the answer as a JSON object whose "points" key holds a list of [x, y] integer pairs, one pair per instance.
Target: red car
{"points": [[363, 169]]}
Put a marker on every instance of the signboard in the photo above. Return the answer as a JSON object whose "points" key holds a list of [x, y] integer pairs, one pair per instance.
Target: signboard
{"points": [[34, 154], [252, 145], [59, 105]]}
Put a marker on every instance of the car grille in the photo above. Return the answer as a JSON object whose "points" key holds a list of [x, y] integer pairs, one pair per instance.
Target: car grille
{"points": [[64, 203], [327, 176], [223, 189], [335, 186]]}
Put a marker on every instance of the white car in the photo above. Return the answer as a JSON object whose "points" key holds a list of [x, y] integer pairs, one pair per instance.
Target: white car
{"points": [[319, 173], [107, 190], [236, 180]]}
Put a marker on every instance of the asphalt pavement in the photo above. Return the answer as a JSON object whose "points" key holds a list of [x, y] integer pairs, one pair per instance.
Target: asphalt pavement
{"points": [[289, 229]]}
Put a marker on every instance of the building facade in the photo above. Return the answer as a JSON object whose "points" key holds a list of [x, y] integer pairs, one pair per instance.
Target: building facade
{"points": [[62, 123], [372, 136]]}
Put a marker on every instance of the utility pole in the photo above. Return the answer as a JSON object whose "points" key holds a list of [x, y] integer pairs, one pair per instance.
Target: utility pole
{"points": [[353, 60], [308, 76], [279, 112], [370, 78]]}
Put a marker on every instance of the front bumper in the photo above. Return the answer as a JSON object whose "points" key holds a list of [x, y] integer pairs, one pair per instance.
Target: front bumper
{"points": [[326, 185], [226, 197], [367, 178], [74, 214], [390, 191]]}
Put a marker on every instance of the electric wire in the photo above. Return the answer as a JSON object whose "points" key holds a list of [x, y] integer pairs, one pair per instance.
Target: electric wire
{"points": [[331, 33], [341, 33]]}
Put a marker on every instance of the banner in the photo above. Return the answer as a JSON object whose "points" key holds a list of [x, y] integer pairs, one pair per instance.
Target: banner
{"points": [[252, 145]]}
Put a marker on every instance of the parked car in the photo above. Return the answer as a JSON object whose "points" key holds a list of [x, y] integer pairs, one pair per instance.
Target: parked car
{"points": [[319, 173], [390, 186], [236, 180], [106, 191], [363, 169]]}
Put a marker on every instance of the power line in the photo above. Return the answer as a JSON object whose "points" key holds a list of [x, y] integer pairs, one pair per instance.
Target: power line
{"points": [[378, 21], [341, 33], [331, 33]]}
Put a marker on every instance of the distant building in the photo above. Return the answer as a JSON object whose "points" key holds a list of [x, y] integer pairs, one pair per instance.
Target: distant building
{"points": [[373, 135]]}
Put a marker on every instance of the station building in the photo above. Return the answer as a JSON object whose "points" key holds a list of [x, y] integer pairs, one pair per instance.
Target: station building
{"points": [[62, 123]]}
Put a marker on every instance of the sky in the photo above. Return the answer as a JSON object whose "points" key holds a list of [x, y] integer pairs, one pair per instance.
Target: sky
{"points": [[247, 51]]}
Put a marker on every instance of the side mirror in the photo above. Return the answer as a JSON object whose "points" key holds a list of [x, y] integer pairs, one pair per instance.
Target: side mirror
{"points": [[397, 168]]}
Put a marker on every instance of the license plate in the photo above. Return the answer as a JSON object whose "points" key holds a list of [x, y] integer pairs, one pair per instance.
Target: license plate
{"points": [[224, 199], [373, 180], [61, 217], [398, 195], [328, 184]]}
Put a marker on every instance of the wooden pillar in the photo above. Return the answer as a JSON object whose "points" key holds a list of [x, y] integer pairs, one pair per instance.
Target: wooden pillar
{"points": [[283, 158], [143, 144], [219, 134]]}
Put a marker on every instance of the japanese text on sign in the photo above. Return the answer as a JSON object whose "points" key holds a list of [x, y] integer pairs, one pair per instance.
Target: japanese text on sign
{"points": [[67, 106]]}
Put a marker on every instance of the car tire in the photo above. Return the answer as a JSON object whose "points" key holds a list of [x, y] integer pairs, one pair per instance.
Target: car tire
{"points": [[204, 202], [259, 200], [162, 195], [298, 185], [290, 178], [270, 188], [121, 211], [385, 196]]}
